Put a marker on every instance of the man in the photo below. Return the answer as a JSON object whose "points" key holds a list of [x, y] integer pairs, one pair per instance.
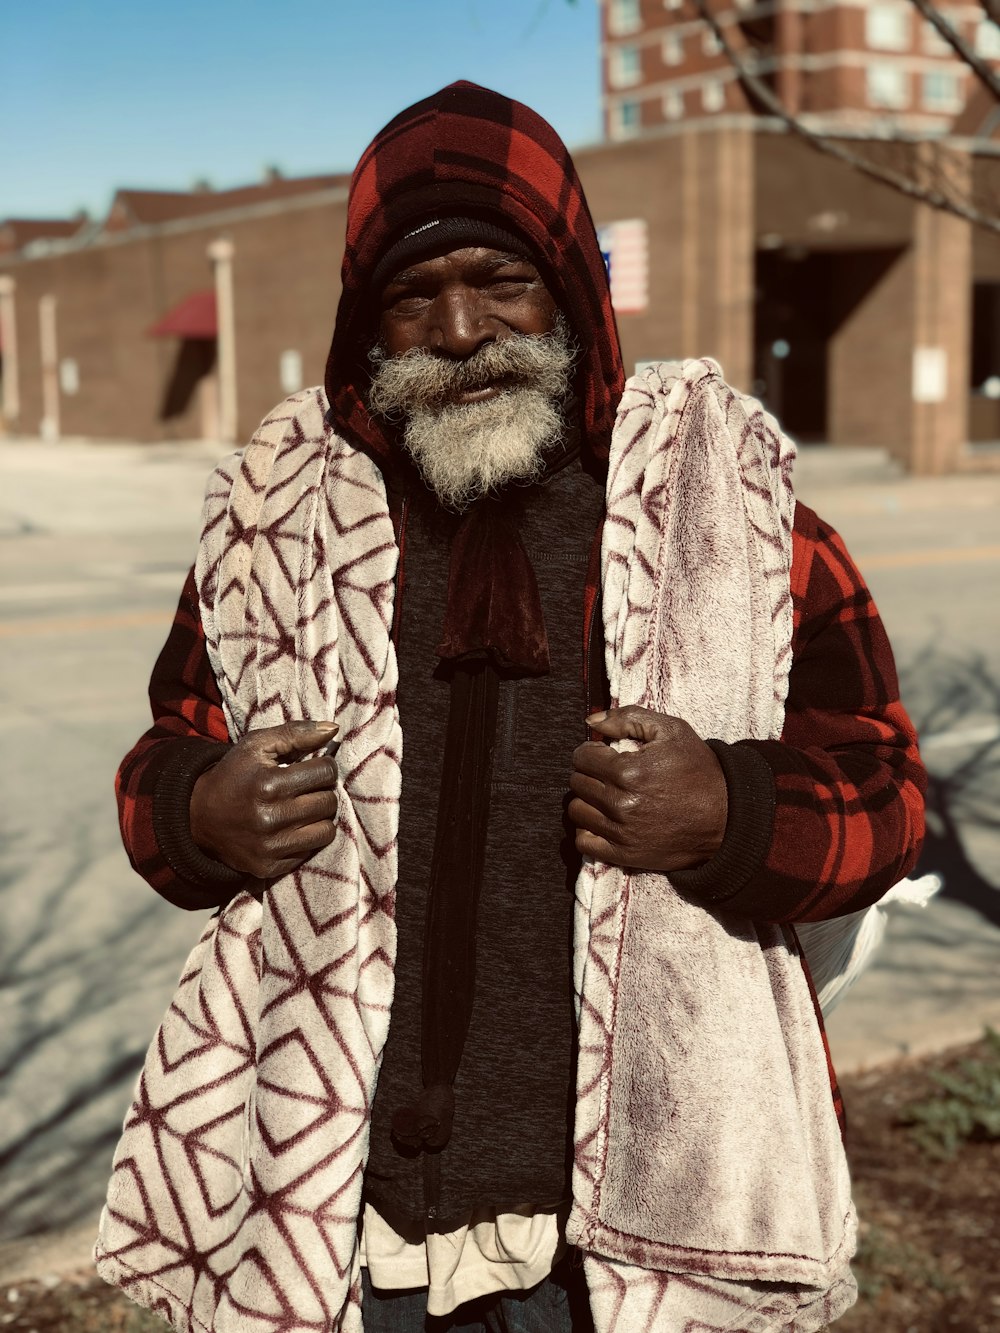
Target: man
{"points": [[414, 592]]}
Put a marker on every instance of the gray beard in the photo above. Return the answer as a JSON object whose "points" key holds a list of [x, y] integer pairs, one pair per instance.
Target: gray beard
{"points": [[466, 450]]}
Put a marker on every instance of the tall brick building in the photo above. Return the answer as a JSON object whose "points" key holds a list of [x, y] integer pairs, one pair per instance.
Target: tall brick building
{"points": [[867, 66], [860, 316]]}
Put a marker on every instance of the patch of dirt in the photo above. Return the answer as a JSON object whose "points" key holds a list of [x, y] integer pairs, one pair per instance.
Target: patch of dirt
{"points": [[77, 1303], [929, 1260], [929, 1257]]}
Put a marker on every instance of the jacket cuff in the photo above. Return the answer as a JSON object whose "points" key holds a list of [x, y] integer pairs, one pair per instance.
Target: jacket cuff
{"points": [[187, 759], [749, 827]]}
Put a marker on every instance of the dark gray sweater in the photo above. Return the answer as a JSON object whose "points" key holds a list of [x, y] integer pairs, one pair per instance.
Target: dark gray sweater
{"points": [[511, 1141]]}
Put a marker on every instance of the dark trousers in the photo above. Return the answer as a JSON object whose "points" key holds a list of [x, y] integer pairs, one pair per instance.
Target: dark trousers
{"points": [[556, 1305]]}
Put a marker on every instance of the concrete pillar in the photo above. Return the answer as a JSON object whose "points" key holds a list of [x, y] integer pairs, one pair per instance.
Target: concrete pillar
{"points": [[870, 352], [942, 321], [10, 406], [899, 357], [716, 237], [49, 425], [734, 256], [220, 252], [788, 48]]}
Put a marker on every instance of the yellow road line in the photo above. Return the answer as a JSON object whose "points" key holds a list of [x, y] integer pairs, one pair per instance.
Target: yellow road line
{"points": [[15, 629], [946, 555]]}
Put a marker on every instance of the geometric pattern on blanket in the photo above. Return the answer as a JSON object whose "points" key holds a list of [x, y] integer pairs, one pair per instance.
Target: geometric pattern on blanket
{"points": [[634, 1300], [236, 1186], [708, 1155]]}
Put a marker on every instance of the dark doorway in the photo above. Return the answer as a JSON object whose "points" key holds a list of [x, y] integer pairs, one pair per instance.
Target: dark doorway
{"points": [[802, 297], [984, 364], [792, 321], [195, 359]]}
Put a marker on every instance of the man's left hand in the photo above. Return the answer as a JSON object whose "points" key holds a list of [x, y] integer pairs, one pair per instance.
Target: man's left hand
{"points": [[660, 807]]}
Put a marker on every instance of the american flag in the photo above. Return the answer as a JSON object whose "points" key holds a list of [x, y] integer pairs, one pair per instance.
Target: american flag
{"points": [[625, 246]]}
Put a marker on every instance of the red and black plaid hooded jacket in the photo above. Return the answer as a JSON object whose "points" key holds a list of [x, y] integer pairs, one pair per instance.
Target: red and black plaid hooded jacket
{"points": [[844, 818], [470, 152]]}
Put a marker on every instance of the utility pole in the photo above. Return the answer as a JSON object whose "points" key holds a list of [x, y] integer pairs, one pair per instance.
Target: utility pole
{"points": [[220, 252], [10, 405], [50, 367]]}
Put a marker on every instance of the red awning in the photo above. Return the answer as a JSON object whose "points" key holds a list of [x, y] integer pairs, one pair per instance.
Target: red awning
{"points": [[194, 317]]}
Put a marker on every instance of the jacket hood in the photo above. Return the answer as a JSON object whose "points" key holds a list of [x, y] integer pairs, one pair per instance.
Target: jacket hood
{"points": [[468, 152]]}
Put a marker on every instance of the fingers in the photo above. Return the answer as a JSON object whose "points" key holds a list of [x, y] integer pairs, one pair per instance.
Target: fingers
{"points": [[273, 743], [590, 790], [595, 760], [261, 816], [287, 853], [597, 848], [307, 838], [590, 819], [634, 723], [303, 809], [283, 784]]}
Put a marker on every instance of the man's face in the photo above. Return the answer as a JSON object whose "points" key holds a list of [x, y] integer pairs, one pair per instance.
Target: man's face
{"points": [[453, 304], [475, 358]]}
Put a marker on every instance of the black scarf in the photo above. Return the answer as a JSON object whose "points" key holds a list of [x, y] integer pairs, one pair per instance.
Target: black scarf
{"points": [[493, 628]]}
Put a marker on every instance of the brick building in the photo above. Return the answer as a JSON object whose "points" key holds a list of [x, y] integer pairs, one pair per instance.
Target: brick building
{"points": [[116, 330], [853, 66], [860, 316]]}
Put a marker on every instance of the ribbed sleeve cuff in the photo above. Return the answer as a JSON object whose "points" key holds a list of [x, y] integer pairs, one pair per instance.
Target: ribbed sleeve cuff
{"points": [[749, 827], [188, 758]]}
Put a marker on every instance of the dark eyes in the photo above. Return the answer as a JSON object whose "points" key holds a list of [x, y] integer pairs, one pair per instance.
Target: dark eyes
{"points": [[409, 303], [416, 297], [508, 286]]}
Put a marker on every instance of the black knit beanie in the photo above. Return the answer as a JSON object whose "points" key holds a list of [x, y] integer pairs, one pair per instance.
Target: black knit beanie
{"points": [[438, 236]]}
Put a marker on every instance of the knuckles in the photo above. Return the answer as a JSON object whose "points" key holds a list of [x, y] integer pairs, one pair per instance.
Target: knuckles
{"points": [[624, 805], [264, 820], [267, 785], [628, 769]]}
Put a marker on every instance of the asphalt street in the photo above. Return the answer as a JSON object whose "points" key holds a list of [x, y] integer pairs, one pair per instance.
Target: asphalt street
{"points": [[95, 542]]}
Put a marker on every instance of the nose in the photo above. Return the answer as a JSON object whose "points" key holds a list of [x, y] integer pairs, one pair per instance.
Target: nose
{"points": [[459, 324]]}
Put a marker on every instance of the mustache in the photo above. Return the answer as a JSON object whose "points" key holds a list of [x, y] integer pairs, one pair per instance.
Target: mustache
{"points": [[420, 380]]}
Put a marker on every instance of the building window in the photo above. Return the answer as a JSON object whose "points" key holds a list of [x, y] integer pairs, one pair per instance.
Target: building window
{"points": [[673, 104], [942, 91], [887, 28], [673, 49], [710, 44], [887, 87], [988, 40], [290, 371], [625, 66], [626, 120], [623, 17], [713, 96]]}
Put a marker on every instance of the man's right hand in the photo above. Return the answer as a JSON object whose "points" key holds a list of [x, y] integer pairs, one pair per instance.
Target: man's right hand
{"points": [[262, 818]]}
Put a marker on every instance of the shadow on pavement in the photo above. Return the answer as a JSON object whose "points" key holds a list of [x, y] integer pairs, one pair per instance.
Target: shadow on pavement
{"points": [[955, 704], [69, 1055]]}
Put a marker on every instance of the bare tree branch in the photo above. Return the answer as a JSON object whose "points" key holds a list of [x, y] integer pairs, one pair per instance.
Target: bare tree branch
{"points": [[762, 94], [959, 45]]}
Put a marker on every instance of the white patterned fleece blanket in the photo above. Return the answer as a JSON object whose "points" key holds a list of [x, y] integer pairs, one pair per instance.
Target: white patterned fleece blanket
{"points": [[710, 1188]]}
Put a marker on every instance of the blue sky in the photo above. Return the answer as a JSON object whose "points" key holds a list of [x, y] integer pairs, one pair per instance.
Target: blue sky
{"points": [[96, 94]]}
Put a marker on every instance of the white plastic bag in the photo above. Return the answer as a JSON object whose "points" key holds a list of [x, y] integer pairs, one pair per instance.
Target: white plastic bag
{"points": [[838, 951]]}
